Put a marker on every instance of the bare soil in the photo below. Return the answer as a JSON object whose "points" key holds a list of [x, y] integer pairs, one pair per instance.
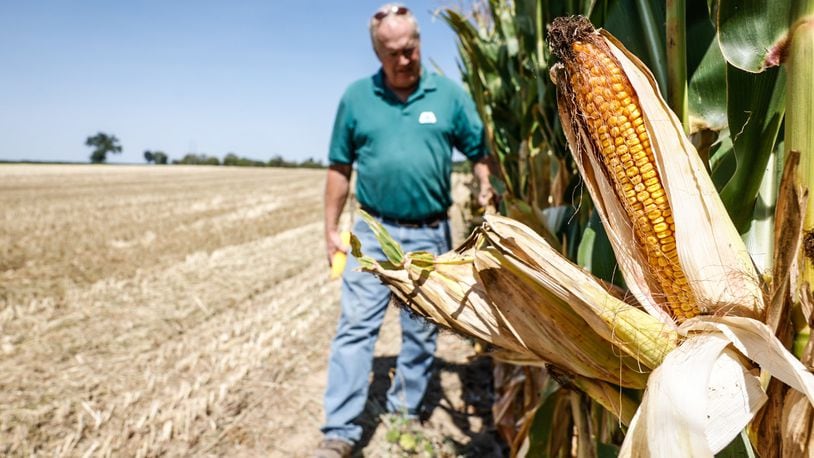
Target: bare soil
{"points": [[187, 311]]}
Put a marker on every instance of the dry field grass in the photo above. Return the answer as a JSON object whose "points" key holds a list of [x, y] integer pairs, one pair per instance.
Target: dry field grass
{"points": [[182, 311]]}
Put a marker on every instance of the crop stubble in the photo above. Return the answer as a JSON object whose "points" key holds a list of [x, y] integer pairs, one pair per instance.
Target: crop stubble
{"points": [[136, 299], [150, 310]]}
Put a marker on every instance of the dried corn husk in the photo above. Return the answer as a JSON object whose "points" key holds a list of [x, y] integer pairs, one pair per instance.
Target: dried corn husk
{"points": [[699, 415], [508, 287], [626, 326]]}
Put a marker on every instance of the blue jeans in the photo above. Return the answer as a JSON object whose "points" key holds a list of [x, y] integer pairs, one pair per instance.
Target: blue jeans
{"points": [[364, 302]]}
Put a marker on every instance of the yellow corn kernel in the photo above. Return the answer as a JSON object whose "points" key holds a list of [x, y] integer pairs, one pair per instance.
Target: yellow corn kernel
{"points": [[617, 125]]}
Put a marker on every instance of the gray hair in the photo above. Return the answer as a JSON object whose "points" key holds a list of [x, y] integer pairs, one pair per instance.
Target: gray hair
{"points": [[388, 9]]}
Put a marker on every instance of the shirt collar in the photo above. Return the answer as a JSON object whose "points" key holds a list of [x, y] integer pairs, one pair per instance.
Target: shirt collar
{"points": [[425, 83]]}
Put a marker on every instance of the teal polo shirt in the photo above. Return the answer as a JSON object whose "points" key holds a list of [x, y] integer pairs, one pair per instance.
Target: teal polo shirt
{"points": [[403, 150]]}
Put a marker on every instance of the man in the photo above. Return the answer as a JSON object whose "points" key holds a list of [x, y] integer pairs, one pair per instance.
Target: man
{"points": [[399, 127]]}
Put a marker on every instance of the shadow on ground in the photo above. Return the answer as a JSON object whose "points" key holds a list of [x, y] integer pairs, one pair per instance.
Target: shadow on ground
{"points": [[477, 395]]}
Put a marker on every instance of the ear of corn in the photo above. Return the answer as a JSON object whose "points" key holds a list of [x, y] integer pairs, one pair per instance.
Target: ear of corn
{"points": [[611, 109], [679, 252], [339, 258]]}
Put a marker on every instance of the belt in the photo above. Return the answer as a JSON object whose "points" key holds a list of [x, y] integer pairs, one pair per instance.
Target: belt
{"points": [[432, 221]]}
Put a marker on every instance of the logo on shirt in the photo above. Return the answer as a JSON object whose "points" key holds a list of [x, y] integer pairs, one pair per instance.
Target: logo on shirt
{"points": [[427, 117]]}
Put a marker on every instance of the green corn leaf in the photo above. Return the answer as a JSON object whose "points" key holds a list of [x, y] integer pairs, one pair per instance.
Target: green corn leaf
{"points": [[740, 447], [639, 24], [549, 432], [748, 31], [707, 91], [596, 255], [391, 249], [756, 106]]}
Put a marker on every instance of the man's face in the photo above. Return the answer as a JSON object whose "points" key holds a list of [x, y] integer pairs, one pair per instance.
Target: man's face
{"points": [[399, 52]]}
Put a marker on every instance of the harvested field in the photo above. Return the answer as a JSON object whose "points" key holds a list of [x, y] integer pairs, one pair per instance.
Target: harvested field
{"points": [[149, 310]]}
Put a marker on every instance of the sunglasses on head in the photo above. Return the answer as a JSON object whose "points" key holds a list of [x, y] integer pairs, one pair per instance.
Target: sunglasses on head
{"points": [[397, 10]]}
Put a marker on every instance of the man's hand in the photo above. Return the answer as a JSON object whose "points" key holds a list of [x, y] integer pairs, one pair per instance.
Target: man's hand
{"points": [[333, 244], [337, 185], [486, 196]]}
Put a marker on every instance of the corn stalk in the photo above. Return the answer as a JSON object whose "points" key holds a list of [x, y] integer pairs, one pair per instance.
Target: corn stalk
{"points": [[799, 133], [503, 62]]}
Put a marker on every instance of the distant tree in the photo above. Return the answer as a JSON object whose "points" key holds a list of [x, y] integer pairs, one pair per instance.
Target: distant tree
{"points": [[277, 161], [102, 144], [311, 163], [235, 160], [231, 159], [157, 157], [198, 159]]}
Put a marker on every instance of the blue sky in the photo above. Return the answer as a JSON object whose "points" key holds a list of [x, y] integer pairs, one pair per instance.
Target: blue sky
{"points": [[257, 78]]}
